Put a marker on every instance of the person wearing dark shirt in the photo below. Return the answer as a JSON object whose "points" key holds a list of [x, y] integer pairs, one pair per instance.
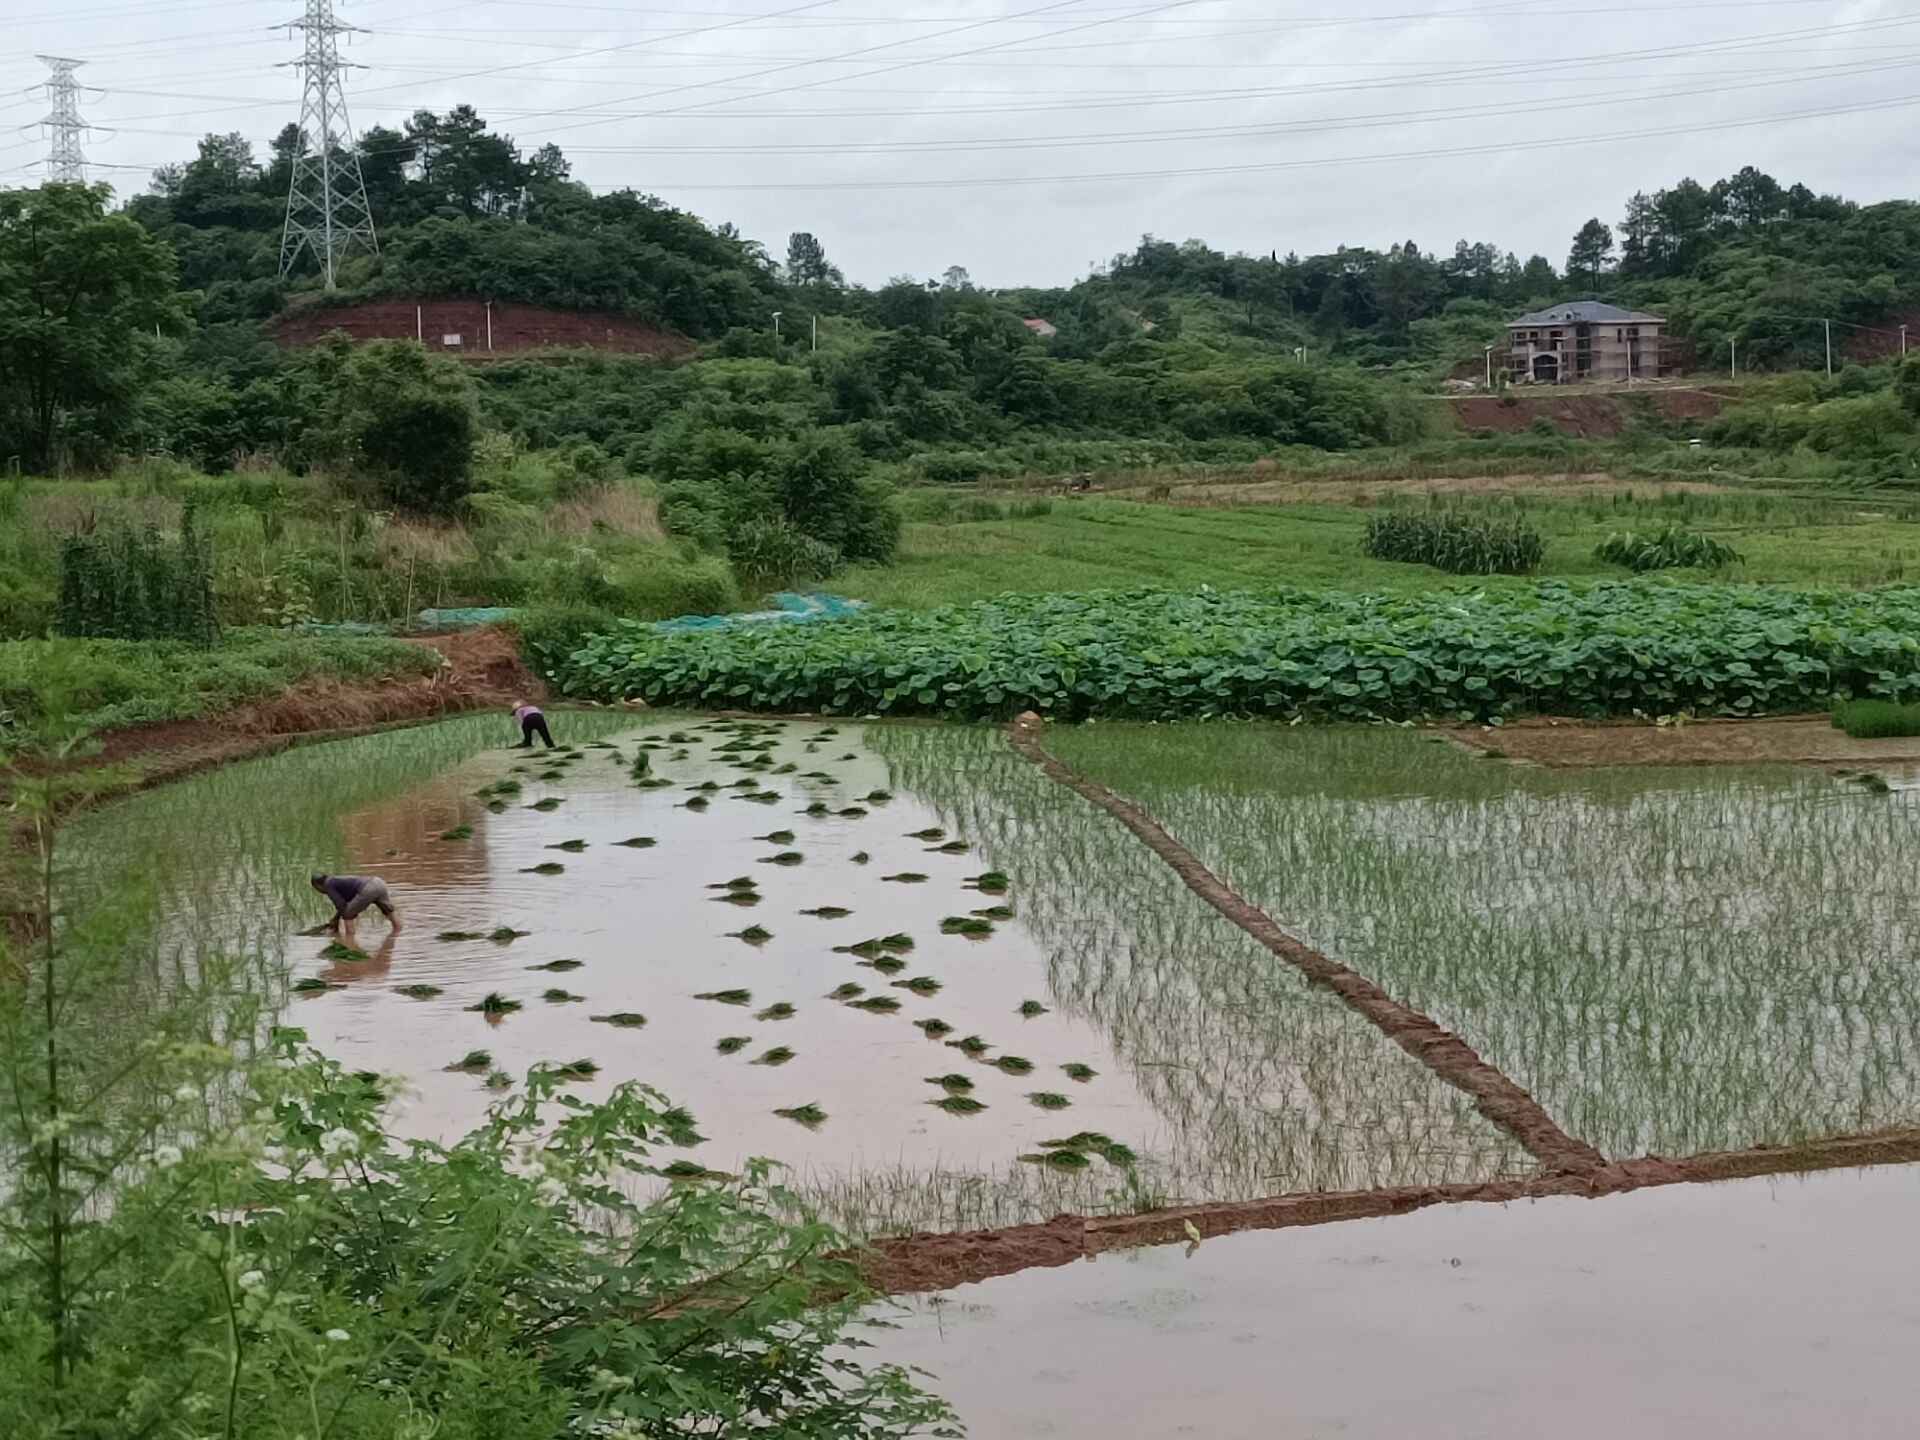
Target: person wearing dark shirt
{"points": [[532, 723], [352, 897]]}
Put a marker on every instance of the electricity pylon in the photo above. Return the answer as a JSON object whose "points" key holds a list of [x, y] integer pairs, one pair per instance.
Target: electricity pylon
{"points": [[327, 209], [63, 125]]}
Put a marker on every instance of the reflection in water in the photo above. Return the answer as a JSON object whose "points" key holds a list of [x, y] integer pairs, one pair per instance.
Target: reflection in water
{"points": [[1672, 961]]}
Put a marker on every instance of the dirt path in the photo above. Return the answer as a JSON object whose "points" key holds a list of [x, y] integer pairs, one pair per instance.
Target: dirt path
{"points": [[1498, 1097], [1801, 740]]}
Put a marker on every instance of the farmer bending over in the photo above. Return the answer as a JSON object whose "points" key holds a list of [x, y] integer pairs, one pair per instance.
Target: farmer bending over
{"points": [[532, 723], [351, 896]]}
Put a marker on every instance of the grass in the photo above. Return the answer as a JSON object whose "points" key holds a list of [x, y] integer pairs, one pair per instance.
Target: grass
{"points": [[785, 857], [1877, 719]]}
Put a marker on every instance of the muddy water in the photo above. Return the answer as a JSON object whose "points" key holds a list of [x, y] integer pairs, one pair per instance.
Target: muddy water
{"points": [[1771, 1310]]}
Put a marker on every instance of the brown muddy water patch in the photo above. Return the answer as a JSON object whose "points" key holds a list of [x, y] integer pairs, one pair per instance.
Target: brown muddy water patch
{"points": [[1762, 1308]]}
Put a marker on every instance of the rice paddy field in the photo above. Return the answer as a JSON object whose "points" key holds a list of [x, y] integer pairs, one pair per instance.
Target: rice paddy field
{"points": [[949, 994]]}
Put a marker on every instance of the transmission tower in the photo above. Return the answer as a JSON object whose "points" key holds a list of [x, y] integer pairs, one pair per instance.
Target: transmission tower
{"points": [[63, 125], [327, 209]]}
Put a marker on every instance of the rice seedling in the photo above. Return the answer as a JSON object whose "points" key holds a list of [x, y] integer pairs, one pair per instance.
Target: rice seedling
{"points": [[498, 1080], [602, 745], [786, 769], [906, 877], [877, 1005], [785, 857], [642, 765], [1058, 1159], [1013, 1065], [753, 935], [639, 842], [777, 837], [575, 1070], [760, 797], [499, 789], [474, 1062], [340, 953], [1076, 1071], [860, 857], [572, 847], [777, 1056], [971, 1046], [818, 809], [680, 737], [971, 926], [1092, 1142], [848, 991], [495, 1004], [934, 1028], [733, 1044], [739, 882], [848, 757], [1873, 784], [828, 912], [1048, 1100], [780, 1010], [454, 937], [852, 812], [620, 1020], [548, 805], [561, 997], [314, 932], [747, 784], [994, 912], [922, 985], [958, 1105], [553, 774], [705, 787], [691, 1171], [809, 1115], [989, 882], [877, 797], [698, 804], [420, 992], [866, 949], [558, 967], [546, 867], [458, 832], [728, 997], [311, 986], [886, 964], [1030, 1008], [899, 942], [952, 1084], [496, 807], [744, 898], [506, 934], [935, 833], [653, 783]]}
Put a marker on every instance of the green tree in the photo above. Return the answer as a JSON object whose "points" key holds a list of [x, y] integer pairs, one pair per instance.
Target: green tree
{"points": [[80, 291], [807, 262], [409, 421], [1592, 249]]}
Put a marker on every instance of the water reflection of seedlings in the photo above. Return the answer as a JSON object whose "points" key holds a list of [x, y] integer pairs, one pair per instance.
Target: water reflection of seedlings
{"points": [[990, 882], [809, 1115], [572, 847], [420, 992], [1049, 1100], [778, 1055], [558, 967], [777, 837], [780, 1010], [1031, 1008], [548, 867], [620, 1020], [1013, 1065], [958, 1105], [971, 926], [728, 997], [339, 953], [877, 1005], [577, 1070], [458, 832], [906, 877], [1076, 1071], [640, 842], [732, 1044], [739, 897], [475, 1062], [495, 1004], [971, 1046], [848, 991], [548, 805], [934, 1028], [561, 997], [785, 857], [753, 935], [828, 912]]}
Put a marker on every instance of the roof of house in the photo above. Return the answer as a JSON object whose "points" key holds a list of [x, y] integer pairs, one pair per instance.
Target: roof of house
{"points": [[1041, 327], [1586, 312]]}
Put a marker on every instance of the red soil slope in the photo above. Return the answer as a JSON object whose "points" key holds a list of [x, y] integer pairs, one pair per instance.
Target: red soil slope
{"points": [[516, 328]]}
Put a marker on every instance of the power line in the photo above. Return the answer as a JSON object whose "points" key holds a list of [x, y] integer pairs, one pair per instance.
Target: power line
{"points": [[66, 162], [327, 210]]}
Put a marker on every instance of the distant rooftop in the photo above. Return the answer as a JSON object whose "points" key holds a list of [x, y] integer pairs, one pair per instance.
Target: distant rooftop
{"points": [[1586, 312]]}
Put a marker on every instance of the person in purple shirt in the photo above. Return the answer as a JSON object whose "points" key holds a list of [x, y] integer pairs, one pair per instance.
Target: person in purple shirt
{"points": [[532, 723], [352, 896]]}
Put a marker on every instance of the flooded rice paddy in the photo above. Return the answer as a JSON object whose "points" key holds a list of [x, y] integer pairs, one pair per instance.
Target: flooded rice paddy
{"points": [[1768, 1309]]}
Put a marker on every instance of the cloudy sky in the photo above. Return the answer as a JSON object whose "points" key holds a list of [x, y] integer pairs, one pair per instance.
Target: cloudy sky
{"points": [[1027, 141]]}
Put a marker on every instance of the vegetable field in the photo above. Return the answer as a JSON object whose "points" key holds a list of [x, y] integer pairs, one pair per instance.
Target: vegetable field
{"points": [[1603, 649]]}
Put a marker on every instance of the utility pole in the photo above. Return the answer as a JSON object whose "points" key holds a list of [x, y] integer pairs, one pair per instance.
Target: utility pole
{"points": [[327, 210], [1489, 367], [1829, 325], [1903, 340], [63, 125], [1733, 359], [816, 332], [776, 325]]}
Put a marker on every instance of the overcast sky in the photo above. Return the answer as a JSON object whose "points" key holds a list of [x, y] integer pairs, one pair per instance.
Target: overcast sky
{"points": [[1027, 140]]}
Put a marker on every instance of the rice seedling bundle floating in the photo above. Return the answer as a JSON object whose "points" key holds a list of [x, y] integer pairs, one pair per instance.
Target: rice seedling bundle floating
{"points": [[621, 1020]]}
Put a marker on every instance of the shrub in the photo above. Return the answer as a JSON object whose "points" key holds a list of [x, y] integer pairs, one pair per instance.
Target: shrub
{"points": [[773, 552], [1460, 544], [1877, 719], [549, 634], [1673, 547], [410, 423], [137, 585]]}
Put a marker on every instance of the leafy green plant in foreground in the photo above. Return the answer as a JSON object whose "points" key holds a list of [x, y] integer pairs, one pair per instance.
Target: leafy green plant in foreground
{"points": [[1595, 649], [1458, 543], [1672, 547]]}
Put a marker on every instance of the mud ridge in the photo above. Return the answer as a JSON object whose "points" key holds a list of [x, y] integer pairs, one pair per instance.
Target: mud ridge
{"points": [[915, 1264], [1496, 1095]]}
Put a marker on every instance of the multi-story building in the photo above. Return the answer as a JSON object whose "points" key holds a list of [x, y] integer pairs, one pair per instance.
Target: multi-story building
{"points": [[1586, 340]]}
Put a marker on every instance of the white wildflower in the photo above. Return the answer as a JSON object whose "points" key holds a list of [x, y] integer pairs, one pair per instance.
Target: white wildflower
{"points": [[253, 1280], [338, 1337], [339, 1142], [167, 1156]]}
